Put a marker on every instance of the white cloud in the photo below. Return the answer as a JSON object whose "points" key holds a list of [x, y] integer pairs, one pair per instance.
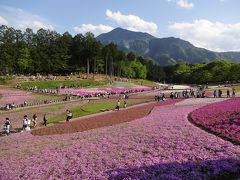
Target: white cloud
{"points": [[132, 22], [215, 36], [22, 19], [96, 30], [3, 21], [183, 3]]}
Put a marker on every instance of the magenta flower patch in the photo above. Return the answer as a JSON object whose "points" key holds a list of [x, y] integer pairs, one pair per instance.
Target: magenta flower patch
{"points": [[221, 118]]}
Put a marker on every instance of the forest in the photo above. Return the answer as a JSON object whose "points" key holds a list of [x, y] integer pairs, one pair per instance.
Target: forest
{"points": [[49, 52]]}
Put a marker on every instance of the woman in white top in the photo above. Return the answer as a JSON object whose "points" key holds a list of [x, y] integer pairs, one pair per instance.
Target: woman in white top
{"points": [[26, 123]]}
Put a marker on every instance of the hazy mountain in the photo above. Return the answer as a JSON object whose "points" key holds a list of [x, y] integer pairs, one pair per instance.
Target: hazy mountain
{"points": [[127, 40], [164, 51]]}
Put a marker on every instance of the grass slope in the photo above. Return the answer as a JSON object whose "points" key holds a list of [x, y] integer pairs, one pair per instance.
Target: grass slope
{"points": [[93, 108]]}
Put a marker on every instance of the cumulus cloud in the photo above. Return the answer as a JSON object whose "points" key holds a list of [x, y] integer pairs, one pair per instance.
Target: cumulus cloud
{"points": [[215, 36], [95, 29], [132, 22], [183, 3], [3, 21], [22, 19]]}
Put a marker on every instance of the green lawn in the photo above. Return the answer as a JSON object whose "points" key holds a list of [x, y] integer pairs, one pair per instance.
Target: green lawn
{"points": [[237, 88], [55, 84], [54, 108], [48, 97], [92, 108]]}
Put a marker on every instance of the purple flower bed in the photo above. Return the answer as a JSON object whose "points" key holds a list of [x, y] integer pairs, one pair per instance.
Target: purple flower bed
{"points": [[163, 145], [221, 118]]}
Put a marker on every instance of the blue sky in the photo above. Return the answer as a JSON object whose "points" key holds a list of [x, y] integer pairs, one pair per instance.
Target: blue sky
{"points": [[212, 24]]}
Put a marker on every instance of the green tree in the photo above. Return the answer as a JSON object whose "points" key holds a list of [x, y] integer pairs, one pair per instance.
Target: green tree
{"points": [[234, 73], [24, 61], [139, 69], [182, 73], [220, 70]]}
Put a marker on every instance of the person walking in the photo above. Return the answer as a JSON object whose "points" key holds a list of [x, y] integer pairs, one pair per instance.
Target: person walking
{"points": [[228, 93], [118, 105], [44, 120], [25, 122], [7, 126], [34, 120], [163, 97], [220, 93], [124, 104], [215, 93], [28, 128], [233, 92], [69, 115]]}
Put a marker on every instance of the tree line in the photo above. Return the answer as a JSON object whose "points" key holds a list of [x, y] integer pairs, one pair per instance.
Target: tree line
{"points": [[49, 52], [218, 71]]}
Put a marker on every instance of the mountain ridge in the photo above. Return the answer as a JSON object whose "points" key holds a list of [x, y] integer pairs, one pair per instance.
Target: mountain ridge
{"points": [[163, 51]]}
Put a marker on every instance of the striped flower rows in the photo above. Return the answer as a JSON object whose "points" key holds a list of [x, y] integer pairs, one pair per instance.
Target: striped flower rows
{"points": [[163, 145]]}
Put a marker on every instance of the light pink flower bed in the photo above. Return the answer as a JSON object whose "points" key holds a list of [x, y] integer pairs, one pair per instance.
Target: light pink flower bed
{"points": [[13, 95], [94, 91], [163, 145]]}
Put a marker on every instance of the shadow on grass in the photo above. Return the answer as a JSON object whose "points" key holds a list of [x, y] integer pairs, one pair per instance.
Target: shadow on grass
{"points": [[228, 169]]}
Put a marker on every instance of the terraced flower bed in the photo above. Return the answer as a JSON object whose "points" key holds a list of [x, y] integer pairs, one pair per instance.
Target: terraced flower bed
{"points": [[162, 145], [221, 118], [102, 120]]}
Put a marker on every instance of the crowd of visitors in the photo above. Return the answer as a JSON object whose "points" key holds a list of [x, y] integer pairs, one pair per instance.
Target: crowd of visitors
{"points": [[219, 93], [29, 123], [160, 97], [82, 95], [10, 106], [188, 93]]}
